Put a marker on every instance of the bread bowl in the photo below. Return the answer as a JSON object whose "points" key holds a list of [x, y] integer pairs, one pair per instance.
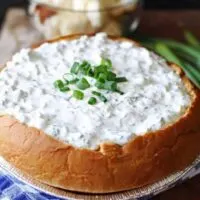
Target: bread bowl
{"points": [[103, 162]]}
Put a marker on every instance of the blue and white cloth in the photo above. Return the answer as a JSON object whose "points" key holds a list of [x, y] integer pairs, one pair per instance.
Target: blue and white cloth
{"points": [[13, 189]]}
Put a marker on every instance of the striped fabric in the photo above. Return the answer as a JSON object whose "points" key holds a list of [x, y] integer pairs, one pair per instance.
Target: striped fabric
{"points": [[13, 189]]}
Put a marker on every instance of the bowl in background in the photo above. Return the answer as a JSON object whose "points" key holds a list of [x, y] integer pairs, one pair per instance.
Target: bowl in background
{"points": [[63, 17]]}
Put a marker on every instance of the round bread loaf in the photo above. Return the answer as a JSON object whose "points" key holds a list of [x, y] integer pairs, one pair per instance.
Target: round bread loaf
{"points": [[111, 167]]}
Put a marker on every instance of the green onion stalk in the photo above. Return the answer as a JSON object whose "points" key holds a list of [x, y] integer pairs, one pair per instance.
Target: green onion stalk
{"points": [[186, 55]]}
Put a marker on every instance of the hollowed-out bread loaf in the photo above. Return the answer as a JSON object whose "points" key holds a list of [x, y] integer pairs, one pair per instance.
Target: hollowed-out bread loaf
{"points": [[142, 160]]}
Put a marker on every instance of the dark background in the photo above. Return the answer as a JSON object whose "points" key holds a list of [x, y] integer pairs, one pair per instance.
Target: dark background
{"points": [[172, 4], [164, 4], [148, 4]]}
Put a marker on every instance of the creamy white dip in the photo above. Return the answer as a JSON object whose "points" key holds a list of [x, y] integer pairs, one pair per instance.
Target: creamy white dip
{"points": [[154, 95]]}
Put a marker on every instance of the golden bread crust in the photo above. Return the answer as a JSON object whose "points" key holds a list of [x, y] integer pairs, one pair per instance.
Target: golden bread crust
{"points": [[143, 160]]}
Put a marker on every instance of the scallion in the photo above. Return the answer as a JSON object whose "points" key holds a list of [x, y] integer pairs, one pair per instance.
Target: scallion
{"points": [[84, 67], [74, 81], [66, 82], [191, 39], [58, 84], [92, 101], [78, 94], [83, 84], [75, 68], [100, 96], [69, 77], [89, 72], [102, 77], [65, 89], [120, 92], [61, 86], [96, 93], [106, 62], [167, 53], [111, 76], [98, 70], [121, 79], [105, 79], [99, 85], [103, 98], [110, 85]]}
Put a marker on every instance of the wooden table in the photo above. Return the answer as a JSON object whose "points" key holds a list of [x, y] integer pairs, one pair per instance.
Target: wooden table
{"points": [[171, 24]]}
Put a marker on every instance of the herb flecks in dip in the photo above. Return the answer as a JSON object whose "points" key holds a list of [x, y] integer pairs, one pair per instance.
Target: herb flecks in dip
{"points": [[101, 76], [154, 96]]}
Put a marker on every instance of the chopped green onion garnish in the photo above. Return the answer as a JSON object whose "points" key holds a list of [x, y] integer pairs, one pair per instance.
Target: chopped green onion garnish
{"points": [[84, 67], [102, 77], [110, 85], [83, 84], [99, 85], [58, 84], [89, 72], [68, 77], [105, 79], [98, 70], [85, 64], [61, 86], [92, 101], [66, 82], [103, 98], [106, 62], [74, 81], [121, 79], [65, 89], [96, 93], [111, 76], [120, 92], [78, 94], [75, 68]]}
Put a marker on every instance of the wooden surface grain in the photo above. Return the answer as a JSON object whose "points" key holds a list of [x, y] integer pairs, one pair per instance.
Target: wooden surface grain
{"points": [[170, 24]]}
